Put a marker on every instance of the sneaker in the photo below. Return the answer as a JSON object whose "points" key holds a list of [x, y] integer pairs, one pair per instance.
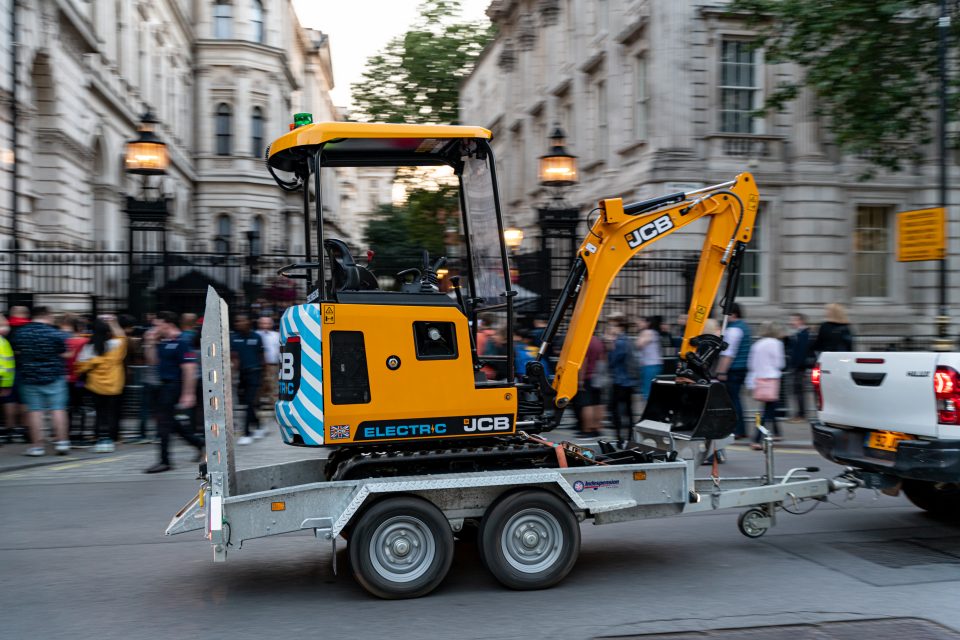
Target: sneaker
{"points": [[242, 440], [258, 434], [160, 467], [63, 447], [104, 446], [35, 452]]}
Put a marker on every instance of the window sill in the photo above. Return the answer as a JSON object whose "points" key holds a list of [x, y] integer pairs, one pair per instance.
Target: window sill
{"points": [[633, 146], [593, 166]]}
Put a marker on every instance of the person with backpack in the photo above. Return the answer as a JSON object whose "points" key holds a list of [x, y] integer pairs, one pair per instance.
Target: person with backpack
{"points": [[624, 368], [101, 359]]}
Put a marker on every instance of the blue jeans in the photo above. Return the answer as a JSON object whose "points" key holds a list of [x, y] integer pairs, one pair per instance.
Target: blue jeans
{"points": [[734, 383], [647, 374]]}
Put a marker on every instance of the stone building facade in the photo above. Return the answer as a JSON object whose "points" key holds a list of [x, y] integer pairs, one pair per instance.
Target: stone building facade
{"points": [[657, 97], [223, 77]]}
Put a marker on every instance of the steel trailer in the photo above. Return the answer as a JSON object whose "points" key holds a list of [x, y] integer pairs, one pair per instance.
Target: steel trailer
{"points": [[400, 530]]}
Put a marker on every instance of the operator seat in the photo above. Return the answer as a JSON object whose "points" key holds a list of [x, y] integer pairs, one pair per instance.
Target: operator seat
{"points": [[346, 274]]}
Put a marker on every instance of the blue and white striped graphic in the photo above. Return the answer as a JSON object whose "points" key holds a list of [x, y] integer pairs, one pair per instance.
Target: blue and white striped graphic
{"points": [[304, 414]]}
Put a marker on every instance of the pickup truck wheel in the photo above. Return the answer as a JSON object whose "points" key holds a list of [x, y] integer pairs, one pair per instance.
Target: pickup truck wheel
{"points": [[939, 498], [401, 548], [530, 540]]}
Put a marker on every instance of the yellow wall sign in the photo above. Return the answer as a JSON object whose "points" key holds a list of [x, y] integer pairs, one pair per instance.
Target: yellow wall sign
{"points": [[921, 235]]}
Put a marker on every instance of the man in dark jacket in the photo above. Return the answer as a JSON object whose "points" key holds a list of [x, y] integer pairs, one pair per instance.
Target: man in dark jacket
{"points": [[799, 362]]}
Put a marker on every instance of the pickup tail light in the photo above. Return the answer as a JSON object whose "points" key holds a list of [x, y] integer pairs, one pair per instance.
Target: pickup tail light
{"points": [[946, 387], [815, 379]]}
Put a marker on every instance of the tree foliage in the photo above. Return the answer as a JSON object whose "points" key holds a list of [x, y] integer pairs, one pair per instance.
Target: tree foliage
{"points": [[872, 65], [416, 77], [399, 234]]}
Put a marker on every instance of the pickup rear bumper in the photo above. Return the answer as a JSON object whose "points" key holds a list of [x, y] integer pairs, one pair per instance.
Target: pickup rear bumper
{"points": [[935, 461]]}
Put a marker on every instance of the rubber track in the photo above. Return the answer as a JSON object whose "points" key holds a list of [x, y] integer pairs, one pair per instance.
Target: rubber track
{"points": [[369, 462]]}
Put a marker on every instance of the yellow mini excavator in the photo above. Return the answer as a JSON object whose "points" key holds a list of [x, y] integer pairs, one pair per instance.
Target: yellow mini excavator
{"points": [[392, 379]]}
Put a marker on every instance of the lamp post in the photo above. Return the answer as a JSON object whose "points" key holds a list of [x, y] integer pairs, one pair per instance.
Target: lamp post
{"points": [[557, 219], [145, 156], [253, 258], [943, 341]]}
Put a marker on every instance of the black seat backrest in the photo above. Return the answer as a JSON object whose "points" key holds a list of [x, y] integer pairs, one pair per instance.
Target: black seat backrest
{"points": [[343, 268]]}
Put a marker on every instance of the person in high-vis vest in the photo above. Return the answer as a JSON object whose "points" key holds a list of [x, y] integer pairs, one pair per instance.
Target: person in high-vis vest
{"points": [[7, 373]]}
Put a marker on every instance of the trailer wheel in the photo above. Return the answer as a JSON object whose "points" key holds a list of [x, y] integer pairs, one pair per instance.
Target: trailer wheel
{"points": [[530, 540], [940, 499], [401, 548], [750, 523]]}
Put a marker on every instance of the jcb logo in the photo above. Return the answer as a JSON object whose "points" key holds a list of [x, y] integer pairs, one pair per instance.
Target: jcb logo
{"points": [[286, 366], [649, 231], [489, 423]]}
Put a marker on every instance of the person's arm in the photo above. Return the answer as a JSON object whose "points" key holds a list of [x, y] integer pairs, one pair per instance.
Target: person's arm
{"points": [[188, 375], [733, 337], [645, 337], [150, 346]]}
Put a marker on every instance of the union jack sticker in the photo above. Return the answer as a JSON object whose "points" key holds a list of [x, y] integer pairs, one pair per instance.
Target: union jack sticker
{"points": [[340, 432]]}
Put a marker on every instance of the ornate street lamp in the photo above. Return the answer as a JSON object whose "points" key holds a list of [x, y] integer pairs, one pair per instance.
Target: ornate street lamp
{"points": [[557, 219], [558, 167], [147, 154]]}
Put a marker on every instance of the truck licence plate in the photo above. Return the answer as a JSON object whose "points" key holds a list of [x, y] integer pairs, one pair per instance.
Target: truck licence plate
{"points": [[886, 440]]}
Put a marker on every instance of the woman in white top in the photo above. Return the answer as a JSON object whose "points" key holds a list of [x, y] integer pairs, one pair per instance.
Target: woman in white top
{"points": [[764, 367]]}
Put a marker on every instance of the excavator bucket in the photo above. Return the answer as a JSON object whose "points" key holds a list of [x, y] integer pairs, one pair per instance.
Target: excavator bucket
{"points": [[691, 410]]}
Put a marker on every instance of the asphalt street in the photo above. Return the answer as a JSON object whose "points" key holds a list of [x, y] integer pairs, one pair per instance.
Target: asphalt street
{"points": [[83, 555]]}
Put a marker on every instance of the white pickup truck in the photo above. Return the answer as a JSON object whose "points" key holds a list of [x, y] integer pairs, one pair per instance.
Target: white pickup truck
{"points": [[896, 418]]}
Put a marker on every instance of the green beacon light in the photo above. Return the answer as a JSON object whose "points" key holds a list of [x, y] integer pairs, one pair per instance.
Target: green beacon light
{"points": [[300, 119]]}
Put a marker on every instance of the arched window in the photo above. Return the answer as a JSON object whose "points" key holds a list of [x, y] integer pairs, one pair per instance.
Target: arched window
{"points": [[223, 20], [224, 127], [257, 130], [256, 18], [221, 241]]}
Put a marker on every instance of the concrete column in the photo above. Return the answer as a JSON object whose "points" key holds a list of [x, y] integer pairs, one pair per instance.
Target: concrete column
{"points": [[241, 112], [204, 113]]}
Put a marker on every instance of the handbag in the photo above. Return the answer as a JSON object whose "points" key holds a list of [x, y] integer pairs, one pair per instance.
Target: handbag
{"points": [[766, 389]]}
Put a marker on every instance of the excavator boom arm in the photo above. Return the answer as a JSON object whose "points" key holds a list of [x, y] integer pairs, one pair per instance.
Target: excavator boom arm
{"points": [[617, 235]]}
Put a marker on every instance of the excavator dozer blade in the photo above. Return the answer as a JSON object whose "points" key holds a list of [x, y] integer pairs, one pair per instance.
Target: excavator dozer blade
{"points": [[691, 410]]}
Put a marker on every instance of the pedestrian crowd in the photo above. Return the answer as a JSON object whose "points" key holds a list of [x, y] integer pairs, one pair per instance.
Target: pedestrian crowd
{"points": [[623, 358], [69, 368]]}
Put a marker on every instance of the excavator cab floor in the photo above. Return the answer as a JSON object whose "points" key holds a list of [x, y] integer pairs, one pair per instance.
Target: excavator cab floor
{"points": [[689, 410]]}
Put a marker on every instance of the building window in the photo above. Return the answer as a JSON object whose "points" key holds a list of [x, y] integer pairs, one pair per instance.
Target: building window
{"points": [[257, 129], [601, 136], [223, 20], [739, 87], [223, 129], [871, 252], [751, 283], [640, 99], [221, 242], [257, 20]]}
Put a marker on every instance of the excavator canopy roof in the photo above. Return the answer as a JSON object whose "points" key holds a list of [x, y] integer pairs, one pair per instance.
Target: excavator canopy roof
{"points": [[358, 144]]}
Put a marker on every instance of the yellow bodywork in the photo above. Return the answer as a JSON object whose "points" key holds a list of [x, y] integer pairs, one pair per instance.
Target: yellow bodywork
{"points": [[427, 389], [616, 237]]}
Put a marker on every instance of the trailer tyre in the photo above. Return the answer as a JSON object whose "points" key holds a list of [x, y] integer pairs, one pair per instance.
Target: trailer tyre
{"points": [[940, 499], [530, 540], [751, 523], [401, 548]]}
